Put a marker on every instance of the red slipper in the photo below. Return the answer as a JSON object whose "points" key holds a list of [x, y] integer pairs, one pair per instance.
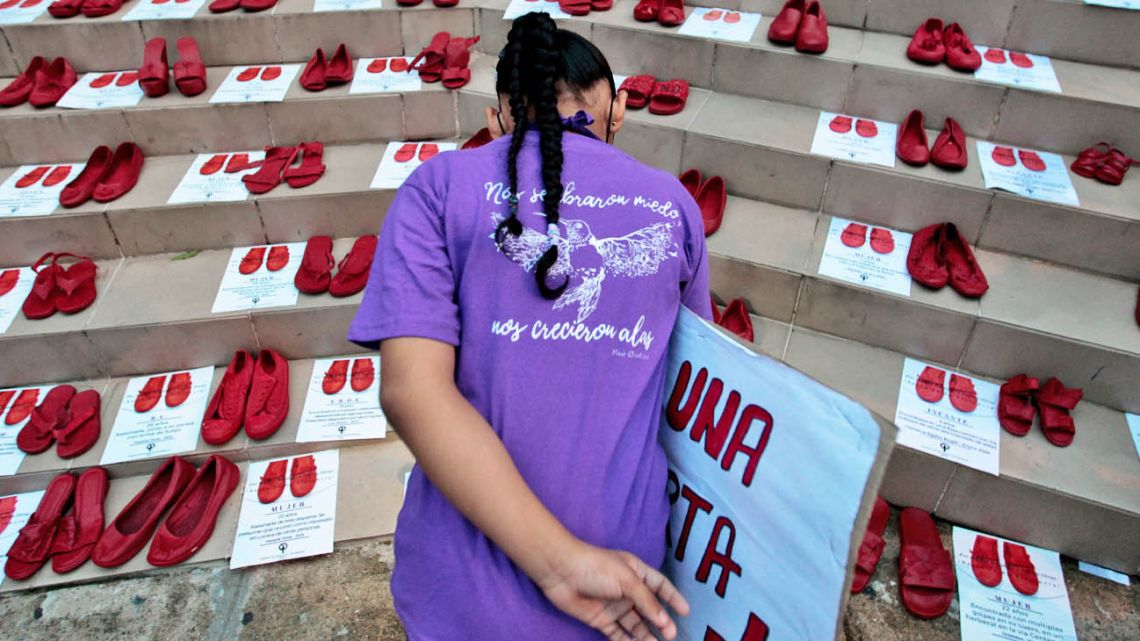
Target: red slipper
{"points": [[75, 284], [1020, 60], [195, 513], [269, 175], [930, 384], [150, 394], [1055, 401], [871, 549], [1019, 567], [882, 240], [984, 561], [80, 528], [646, 10], [926, 46], [428, 150], [278, 258], [315, 273], [637, 90], [1003, 156], [840, 124], [668, 97], [1015, 406], [121, 175], [1031, 160], [854, 235], [154, 74], [178, 390], [691, 181], [226, 411], [130, 530], [302, 475], [787, 23], [313, 75], [962, 394], [406, 152], [926, 570], [711, 198], [960, 52], [925, 261], [268, 403], [966, 276], [83, 425], [251, 262], [912, 146], [32, 546], [481, 137], [41, 301], [311, 168], [429, 61], [866, 128], [949, 150], [352, 272], [362, 374], [335, 377], [23, 406], [272, 483], [995, 55], [812, 36], [212, 166], [189, 71], [736, 319], [340, 69], [51, 414], [80, 190]]}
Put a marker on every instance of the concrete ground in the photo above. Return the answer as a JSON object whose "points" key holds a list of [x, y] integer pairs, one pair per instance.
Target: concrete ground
{"points": [[346, 595]]}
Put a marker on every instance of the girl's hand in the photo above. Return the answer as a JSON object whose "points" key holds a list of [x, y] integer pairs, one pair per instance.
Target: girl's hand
{"points": [[614, 592]]}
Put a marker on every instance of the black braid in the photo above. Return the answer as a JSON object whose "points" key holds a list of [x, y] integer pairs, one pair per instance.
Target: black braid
{"points": [[548, 67]]}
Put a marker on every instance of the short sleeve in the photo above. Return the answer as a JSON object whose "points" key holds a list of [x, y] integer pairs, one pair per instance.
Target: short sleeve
{"points": [[411, 288], [695, 281]]}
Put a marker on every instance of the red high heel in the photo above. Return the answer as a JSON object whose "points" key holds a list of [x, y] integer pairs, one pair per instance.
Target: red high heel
{"points": [[154, 74], [79, 191], [311, 168], [269, 175], [122, 174], [189, 71]]}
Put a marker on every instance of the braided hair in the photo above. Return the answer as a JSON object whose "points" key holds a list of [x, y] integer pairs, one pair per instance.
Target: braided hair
{"points": [[537, 62]]}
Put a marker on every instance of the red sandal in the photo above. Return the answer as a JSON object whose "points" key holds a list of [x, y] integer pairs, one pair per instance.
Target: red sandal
{"points": [[42, 300], [984, 561], [1055, 401], [668, 97], [1015, 404], [76, 284], [189, 71], [32, 546], [430, 60], [457, 59], [1112, 171], [931, 383], [926, 569], [637, 90], [352, 273], [268, 175], [311, 168], [315, 273], [871, 549]]}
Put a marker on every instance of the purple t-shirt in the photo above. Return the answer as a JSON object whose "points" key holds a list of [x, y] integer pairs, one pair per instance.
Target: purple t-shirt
{"points": [[572, 386]]}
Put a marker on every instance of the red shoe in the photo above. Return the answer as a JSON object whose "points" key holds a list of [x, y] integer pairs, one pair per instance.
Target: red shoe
{"points": [[240, 162], [122, 175], [269, 175], [251, 262], [1031, 160], [42, 301], [926, 46], [1015, 406], [339, 70], [996, 56], [812, 36], [17, 91], [132, 528], [711, 198], [787, 23], [105, 80], [882, 241], [81, 189], [949, 150], [272, 484], [83, 425], [226, 411], [80, 528], [315, 272], [399, 64], [930, 384], [691, 180], [840, 124], [194, 514], [428, 150], [302, 475], [647, 10], [1020, 60], [23, 407], [925, 261], [1019, 567], [32, 546], [75, 284], [212, 166], [379, 65], [1004, 156], [430, 60], [222, 6], [966, 276], [154, 74], [5, 398], [311, 168], [61, 8], [1088, 161], [481, 137], [150, 394], [735, 319], [268, 403], [272, 72], [8, 280], [178, 390], [32, 177], [960, 52], [99, 8], [984, 561], [278, 258], [313, 76], [38, 433], [363, 374], [1112, 171], [57, 175], [248, 74], [127, 78], [406, 152], [671, 13], [1055, 402], [637, 90], [457, 60], [668, 97], [962, 394], [911, 146], [257, 5], [926, 569], [352, 272], [51, 82], [871, 549], [189, 71], [335, 377], [854, 235], [866, 128]]}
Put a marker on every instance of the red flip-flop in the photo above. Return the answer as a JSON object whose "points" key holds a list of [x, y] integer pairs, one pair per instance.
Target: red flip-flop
{"points": [[335, 377], [984, 561], [352, 272], [930, 384], [882, 240], [150, 394], [178, 390], [840, 124], [926, 569], [711, 198], [1031, 160], [866, 128], [854, 235], [240, 162], [1020, 568], [637, 90], [1004, 156], [32, 546], [1015, 406], [871, 549], [251, 262], [75, 284], [83, 425], [363, 374], [736, 319], [315, 273], [38, 433], [668, 97], [962, 394], [1055, 401], [278, 258]]}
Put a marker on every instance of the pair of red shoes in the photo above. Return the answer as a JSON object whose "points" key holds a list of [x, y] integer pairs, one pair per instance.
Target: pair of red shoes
{"points": [[997, 56], [177, 391], [222, 6], [445, 59], [21, 409], [948, 152], [189, 71], [667, 13], [106, 176], [734, 318], [40, 84], [802, 23], [278, 166], [663, 98], [315, 274], [583, 7], [1016, 408], [841, 124], [1004, 156], [408, 151], [302, 479], [987, 568], [51, 175], [255, 258], [711, 196], [932, 382], [60, 289], [254, 393], [363, 375], [89, 8], [854, 235], [380, 65], [65, 416], [939, 255], [320, 74], [932, 45], [231, 163], [249, 74], [65, 526], [1103, 162], [117, 78]]}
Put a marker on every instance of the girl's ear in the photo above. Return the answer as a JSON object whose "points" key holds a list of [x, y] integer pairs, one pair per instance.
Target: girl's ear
{"points": [[493, 124], [617, 117]]}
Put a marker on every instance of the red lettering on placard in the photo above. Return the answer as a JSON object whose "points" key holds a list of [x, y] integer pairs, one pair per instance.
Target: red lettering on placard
{"points": [[750, 414], [677, 416], [757, 630], [696, 502], [715, 436], [724, 560]]}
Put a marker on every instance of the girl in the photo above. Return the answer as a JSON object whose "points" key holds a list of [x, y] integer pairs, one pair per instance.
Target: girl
{"points": [[522, 299]]}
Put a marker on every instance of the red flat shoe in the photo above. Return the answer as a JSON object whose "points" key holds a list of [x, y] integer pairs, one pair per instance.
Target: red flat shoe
{"points": [[132, 528], [311, 168], [150, 394], [1112, 171], [840, 124], [646, 10], [949, 150], [271, 73], [812, 36], [80, 190], [925, 261], [195, 513], [352, 272], [960, 52], [154, 74], [62, 8], [100, 8], [1031, 160], [1055, 401], [427, 151], [335, 377], [32, 546], [122, 175], [278, 258], [787, 23], [363, 374], [240, 162], [51, 82], [1019, 567], [735, 319], [268, 403], [272, 484], [882, 241], [222, 6], [302, 475], [42, 301], [379, 65], [1015, 406], [38, 433], [269, 175], [866, 128], [1089, 160], [1020, 60], [637, 90], [691, 180], [1004, 156], [127, 78], [871, 549], [257, 5], [854, 235], [671, 13], [926, 569], [226, 411], [17, 91], [911, 146], [32, 177], [996, 56], [429, 61], [711, 198], [105, 80], [313, 76], [984, 561], [966, 276], [406, 152], [23, 407], [926, 46], [315, 272], [75, 284], [189, 71], [251, 262], [8, 280], [80, 528], [83, 425], [668, 97], [248, 74], [339, 70], [178, 390], [962, 394], [481, 137], [212, 166], [930, 384], [57, 175]]}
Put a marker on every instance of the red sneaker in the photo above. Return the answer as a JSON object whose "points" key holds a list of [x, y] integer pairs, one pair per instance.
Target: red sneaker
{"points": [[854, 235], [302, 475], [882, 241], [83, 425], [23, 407], [150, 394], [712, 198], [812, 36], [960, 52], [32, 546], [966, 276], [1003, 156], [335, 377], [925, 261], [930, 384], [352, 272], [736, 319], [129, 532], [949, 150], [1019, 567], [911, 146], [268, 403], [840, 124], [1015, 404], [226, 411], [80, 528], [122, 175], [315, 273], [926, 46], [871, 549], [194, 514], [787, 23], [81, 189], [278, 258], [1031, 160], [178, 390], [984, 561], [363, 374], [962, 394], [251, 262], [1055, 402], [272, 484]]}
